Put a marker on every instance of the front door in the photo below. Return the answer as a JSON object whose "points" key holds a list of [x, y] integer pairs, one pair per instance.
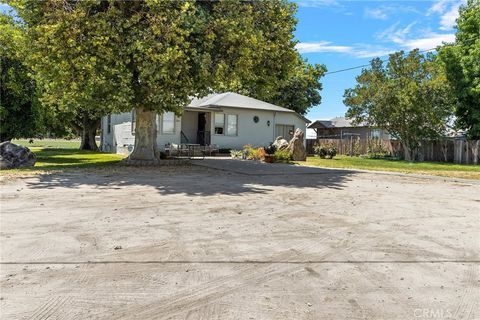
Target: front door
{"points": [[201, 132]]}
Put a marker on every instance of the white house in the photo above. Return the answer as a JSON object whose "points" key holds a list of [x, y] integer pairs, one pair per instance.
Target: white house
{"points": [[228, 120]]}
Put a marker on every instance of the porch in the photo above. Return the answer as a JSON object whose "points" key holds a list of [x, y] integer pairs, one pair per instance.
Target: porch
{"points": [[195, 127]]}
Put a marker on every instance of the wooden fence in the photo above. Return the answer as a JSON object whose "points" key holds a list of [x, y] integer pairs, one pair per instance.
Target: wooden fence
{"points": [[448, 150]]}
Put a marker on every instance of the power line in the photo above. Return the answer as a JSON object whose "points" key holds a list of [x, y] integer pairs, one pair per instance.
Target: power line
{"points": [[383, 60]]}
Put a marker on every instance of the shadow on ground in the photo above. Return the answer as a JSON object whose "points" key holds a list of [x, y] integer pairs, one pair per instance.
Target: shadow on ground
{"points": [[190, 180]]}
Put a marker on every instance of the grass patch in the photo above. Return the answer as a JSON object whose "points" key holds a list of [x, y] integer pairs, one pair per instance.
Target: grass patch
{"points": [[49, 143], [49, 159], [431, 168]]}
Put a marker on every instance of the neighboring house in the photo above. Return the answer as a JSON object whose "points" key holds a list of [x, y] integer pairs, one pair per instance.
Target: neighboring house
{"points": [[228, 120], [342, 128]]}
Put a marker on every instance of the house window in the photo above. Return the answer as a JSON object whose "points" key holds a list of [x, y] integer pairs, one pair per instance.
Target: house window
{"points": [[219, 123], [168, 122], [232, 121], [285, 131], [109, 123], [133, 121], [375, 134]]}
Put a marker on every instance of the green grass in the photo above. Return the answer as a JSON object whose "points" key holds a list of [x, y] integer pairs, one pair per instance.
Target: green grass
{"points": [[50, 159], [49, 143], [431, 168]]}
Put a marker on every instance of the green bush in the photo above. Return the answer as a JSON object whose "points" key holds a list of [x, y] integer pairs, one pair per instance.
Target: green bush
{"points": [[283, 156], [236, 154], [328, 150]]}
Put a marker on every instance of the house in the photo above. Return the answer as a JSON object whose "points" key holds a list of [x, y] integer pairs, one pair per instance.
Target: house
{"points": [[343, 128], [227, 120]]}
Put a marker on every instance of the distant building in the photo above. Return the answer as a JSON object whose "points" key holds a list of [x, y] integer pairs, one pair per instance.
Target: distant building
{"points": [[342, 128]]}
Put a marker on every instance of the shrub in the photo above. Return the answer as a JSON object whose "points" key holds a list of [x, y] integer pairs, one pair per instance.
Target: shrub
{"points": [[247, 151], [326, 150], [257, 154], [376, 149], [283, 156], [236, 154]]}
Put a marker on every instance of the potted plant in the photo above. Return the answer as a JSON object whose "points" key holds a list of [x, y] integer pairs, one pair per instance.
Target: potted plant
{"points": [[270, 153]]}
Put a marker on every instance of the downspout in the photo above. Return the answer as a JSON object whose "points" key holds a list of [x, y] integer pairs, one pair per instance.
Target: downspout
{"points": [[274, 125]]}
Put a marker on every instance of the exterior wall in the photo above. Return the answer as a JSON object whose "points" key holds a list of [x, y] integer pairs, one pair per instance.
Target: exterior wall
{"points": [[256, 134], [362, 132], [121, 140]]}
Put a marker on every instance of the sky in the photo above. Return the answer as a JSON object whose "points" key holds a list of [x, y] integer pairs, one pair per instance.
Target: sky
{"points": [[348, 33]]}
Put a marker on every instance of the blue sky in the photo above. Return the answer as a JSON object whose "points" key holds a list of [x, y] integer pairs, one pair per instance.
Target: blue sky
{"points": [[343, 34], [348, 33]]}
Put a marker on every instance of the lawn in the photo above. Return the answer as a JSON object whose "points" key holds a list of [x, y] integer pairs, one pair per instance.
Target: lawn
{"points": [[431, 168], [49, 143], [62, 154]]}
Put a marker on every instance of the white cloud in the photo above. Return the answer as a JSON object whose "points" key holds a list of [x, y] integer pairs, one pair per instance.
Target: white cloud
{"points": [[321, 46], [375, 13], [447, 10], [383, 12], [356, 50], [405, 38], [429, 41]]}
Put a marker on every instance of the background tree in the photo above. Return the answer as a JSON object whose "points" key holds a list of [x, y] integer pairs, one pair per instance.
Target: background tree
{"points": [[99, 57], [301, 90], [409, 97], [20, 115], [462, 64]]}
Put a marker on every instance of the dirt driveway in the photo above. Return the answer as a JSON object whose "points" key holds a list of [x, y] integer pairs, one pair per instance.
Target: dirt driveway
{"points": [[198, 243]]}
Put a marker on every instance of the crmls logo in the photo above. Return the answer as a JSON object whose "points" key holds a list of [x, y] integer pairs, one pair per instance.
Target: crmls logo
{"points": [[432, 313]]}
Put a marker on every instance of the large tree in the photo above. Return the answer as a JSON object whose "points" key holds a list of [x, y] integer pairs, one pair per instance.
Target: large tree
{"points": [[153, 56], [301, 90], [409, 97], [20, 114], [462, 64]]}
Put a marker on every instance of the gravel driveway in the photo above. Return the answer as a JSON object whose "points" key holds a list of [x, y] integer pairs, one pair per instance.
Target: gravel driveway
{"points": [[199, 243]]}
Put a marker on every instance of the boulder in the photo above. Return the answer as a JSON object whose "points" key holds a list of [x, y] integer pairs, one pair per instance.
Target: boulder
{"points": [[280, 143], [296, 146], [13, 156]]}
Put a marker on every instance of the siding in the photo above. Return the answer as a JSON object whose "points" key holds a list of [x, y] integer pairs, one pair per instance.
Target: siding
{"points": [[121, 140]]}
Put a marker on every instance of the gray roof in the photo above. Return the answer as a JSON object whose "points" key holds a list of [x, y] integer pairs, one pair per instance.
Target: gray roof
{"points": [[235, 100], [337, 122]]}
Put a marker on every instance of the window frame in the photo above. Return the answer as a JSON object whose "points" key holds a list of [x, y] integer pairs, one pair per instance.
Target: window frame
{"points": [[236, 125], [163, 123], [215, 124]]}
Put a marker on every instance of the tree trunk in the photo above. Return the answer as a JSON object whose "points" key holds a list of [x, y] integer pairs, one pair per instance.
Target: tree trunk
{"points": [[88, 132], [145, 150]]}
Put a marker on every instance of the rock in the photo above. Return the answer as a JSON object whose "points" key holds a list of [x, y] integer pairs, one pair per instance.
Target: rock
{"points": [[280, 143], [13, 156], [296, 146]]}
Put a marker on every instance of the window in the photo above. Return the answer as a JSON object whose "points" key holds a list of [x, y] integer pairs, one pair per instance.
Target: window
{"points": [[219, 123], [168, 122], [133, 121], [375, 134], [232, 125], [285, 131], [109, 123]]}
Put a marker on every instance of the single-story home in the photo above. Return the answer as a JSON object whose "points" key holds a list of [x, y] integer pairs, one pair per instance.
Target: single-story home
{"points": [[227, 120], [343, 128]]}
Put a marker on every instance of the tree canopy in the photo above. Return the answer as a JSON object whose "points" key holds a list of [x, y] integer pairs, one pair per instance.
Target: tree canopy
{"points": [[20, 115], [98, 57], [409, 97], [462, 64]]}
